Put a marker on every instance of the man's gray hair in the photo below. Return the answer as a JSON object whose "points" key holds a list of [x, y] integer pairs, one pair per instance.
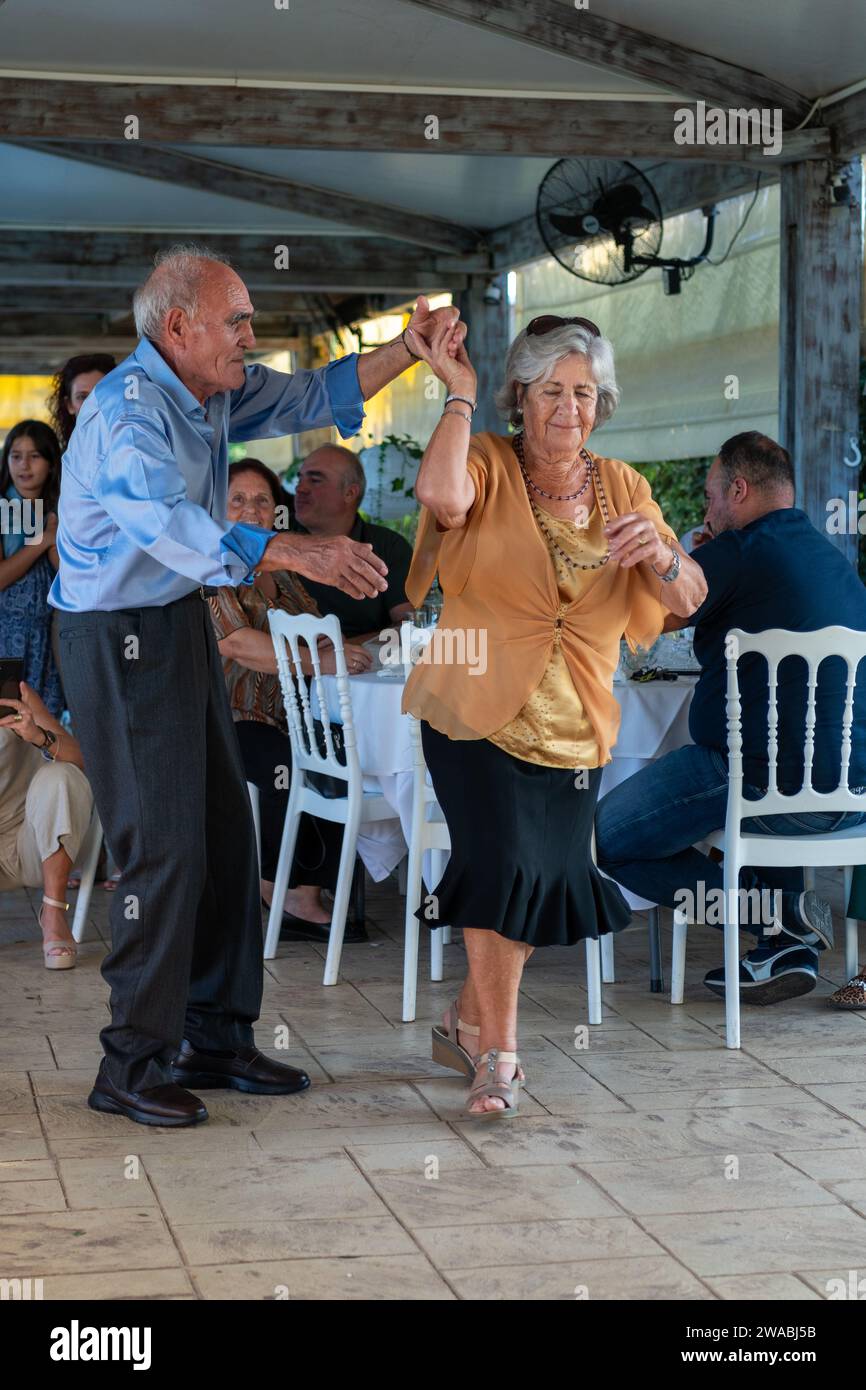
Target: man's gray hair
{"points": [[533, 358], [174, 283]]}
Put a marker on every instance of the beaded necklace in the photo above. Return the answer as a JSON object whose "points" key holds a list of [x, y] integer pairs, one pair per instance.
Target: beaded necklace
{"points": [[553, 544]]}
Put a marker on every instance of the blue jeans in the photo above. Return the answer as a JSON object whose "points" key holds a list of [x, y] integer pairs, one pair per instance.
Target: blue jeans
{"points": [[646, 829]]}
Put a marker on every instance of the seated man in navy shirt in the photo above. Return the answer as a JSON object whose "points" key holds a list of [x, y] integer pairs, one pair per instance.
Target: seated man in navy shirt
{"points": [[766, 567], [330, 490]]}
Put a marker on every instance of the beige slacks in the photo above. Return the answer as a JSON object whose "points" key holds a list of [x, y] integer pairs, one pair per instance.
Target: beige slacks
{"points": [[56, 812]]}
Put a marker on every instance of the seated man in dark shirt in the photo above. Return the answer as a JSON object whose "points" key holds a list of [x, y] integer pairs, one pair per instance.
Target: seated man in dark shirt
{"points": [[330, 490], [766, 567]]}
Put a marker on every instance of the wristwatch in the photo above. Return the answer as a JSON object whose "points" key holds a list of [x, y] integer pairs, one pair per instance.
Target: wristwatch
{"points": [[48, 745], [673, 573]]}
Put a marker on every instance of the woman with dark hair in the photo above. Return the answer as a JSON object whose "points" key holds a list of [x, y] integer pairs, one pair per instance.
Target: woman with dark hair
{"points": [[29, 489], [240, 620], [71, 387]]}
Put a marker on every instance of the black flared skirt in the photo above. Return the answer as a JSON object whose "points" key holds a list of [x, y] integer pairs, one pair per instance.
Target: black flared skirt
{"points": [[521, 847]]}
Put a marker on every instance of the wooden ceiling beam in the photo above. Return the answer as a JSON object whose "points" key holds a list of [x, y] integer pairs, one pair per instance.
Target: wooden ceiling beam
{"points": [[337, 119], [250, 185], [330, 265], [586, 37], [69, 298], [121, 248]]}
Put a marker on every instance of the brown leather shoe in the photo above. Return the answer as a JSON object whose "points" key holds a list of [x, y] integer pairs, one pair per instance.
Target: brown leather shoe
{"points": [[245, 1069], [159, 1105]]}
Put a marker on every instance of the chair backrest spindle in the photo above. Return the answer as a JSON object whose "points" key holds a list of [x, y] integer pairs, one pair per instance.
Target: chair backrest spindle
{"points": [[773, 725], [848, 720], [809, 746]]}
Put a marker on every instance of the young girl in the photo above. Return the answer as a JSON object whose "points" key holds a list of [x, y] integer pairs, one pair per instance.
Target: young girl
{"points": [[30, 473]]}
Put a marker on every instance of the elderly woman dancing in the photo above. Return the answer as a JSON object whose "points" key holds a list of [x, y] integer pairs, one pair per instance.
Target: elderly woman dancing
{"points": [[553, 552]]}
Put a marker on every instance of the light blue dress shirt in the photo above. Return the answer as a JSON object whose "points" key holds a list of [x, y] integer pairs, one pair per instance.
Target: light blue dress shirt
{"points": [[144, 485]]}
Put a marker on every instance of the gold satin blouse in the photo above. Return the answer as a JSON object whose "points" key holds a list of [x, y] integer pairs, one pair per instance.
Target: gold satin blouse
{"points": [[553, 728], [499, 585]]}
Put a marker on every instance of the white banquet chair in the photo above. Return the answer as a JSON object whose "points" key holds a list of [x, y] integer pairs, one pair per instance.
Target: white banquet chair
{"points": [[88, 859], [255, 807], [354, 810], [428, 832], [839, 848], [432, 834]]}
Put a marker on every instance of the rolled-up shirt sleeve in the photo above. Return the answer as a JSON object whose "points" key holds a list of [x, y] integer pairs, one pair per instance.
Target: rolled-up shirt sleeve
{"points": [[143, 492], [270, 403]]}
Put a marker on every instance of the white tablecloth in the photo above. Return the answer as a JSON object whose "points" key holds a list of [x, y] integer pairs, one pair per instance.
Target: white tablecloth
{"points": [[385, 752], [654, 721]]}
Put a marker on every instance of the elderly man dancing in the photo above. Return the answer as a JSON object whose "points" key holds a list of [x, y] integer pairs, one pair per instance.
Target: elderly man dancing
{"points": [[142, 537]]}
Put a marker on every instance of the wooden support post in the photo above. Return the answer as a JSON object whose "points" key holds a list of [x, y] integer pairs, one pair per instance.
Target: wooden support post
{"points": [[487, 343], [313, 353], [819, 347]]}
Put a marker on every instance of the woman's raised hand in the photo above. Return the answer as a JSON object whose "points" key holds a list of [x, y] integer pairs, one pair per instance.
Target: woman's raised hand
{"points": [[445, 353]]}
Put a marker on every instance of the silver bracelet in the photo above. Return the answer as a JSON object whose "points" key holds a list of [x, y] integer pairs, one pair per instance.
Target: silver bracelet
{"points": [[473, 405], [461, 413], [674, 572]]}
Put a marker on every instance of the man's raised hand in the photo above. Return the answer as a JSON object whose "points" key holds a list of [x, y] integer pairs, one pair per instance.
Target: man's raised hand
{"points": [[426, 322]]}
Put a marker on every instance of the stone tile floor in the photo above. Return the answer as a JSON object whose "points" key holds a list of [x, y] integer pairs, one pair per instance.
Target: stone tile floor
{"points": [[649, 1164]]}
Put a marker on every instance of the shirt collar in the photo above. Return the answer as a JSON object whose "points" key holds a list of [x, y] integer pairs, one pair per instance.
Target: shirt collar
{"points": [[157, 369], [775, 516]]}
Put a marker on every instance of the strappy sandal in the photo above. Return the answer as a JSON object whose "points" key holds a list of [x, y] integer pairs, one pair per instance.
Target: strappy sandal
{"points": [[850, 996], [58, 955], [446, 1050], [507, 1091]]}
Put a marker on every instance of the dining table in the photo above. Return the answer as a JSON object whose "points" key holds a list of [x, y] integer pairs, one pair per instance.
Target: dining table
{"points": [[654, 721]]}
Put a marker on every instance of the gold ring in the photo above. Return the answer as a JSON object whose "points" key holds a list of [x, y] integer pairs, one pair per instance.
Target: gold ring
{"points": [[18, 718], [642, 540]]}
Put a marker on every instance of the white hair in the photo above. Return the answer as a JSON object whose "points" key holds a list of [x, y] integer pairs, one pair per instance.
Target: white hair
{"points": [[534, 357], [174, 283]]}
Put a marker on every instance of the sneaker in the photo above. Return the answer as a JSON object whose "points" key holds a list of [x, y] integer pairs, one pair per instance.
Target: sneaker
{"points": [[768, 976], [806, 919], [850, 996]]}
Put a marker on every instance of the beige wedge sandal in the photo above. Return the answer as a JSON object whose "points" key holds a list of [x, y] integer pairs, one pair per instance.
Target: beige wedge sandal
{"points": [[58, 955], [446, 1050], [507, 1091]]}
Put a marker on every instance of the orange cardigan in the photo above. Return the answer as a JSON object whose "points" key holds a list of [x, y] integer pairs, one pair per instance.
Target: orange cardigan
{"points": [[496, 576]]}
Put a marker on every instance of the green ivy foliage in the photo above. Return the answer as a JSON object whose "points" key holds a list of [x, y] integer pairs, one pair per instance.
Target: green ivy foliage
{"points": [[678, 487]]}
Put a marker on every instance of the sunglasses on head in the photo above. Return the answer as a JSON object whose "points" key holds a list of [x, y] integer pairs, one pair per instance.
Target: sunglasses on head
{"points": [[546, 323]]}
